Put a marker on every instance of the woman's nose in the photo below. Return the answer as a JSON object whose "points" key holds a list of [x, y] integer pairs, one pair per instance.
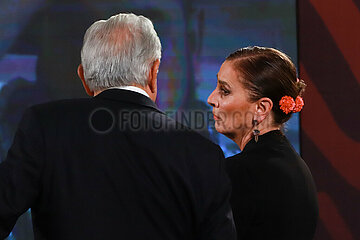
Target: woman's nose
{"points": [[211, 100]]}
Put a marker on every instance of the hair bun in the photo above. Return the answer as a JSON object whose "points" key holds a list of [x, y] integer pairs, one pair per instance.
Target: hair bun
{"points": [[300, 85]]}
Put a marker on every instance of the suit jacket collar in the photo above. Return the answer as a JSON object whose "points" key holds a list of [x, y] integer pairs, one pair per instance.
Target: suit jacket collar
{"points": [[272, 138], [127, 96]]}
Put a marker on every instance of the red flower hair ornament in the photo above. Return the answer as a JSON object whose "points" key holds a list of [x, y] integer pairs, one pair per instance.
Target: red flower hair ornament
{"points": [[288, 104]]}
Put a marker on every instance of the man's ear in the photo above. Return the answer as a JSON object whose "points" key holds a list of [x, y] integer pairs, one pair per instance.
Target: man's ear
{"points": [[153, 78], [80, 72], [263, 109]]}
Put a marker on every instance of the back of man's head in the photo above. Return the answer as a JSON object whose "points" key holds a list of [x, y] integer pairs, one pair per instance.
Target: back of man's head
{"points": [[119, 51]]}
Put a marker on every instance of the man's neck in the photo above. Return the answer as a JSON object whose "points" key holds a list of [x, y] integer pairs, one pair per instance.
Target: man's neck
{"points": [[128, 88]]}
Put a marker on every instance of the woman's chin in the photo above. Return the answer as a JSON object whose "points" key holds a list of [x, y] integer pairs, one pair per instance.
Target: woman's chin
{"points": [[226, 132], [219, 128]]}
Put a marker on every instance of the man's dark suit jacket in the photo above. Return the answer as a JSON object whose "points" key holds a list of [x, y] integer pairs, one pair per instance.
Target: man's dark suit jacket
{"points": [[113, 167], [274, 195]]}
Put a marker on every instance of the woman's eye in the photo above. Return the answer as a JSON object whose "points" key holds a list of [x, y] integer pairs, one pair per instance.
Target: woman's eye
{"points": [[224, 91]]}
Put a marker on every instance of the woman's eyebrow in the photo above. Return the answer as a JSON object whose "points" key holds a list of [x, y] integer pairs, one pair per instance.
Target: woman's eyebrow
{"points": [[221, 82]]}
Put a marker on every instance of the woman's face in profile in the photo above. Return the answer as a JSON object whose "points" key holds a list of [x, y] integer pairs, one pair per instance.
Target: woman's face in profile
{"points": [[233, 113]]}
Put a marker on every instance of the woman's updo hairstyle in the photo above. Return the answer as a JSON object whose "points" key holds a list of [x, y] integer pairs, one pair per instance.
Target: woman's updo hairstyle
{"points": [[267, 72]]}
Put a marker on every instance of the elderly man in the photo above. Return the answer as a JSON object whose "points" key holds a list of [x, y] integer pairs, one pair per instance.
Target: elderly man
{"points": [[114, 166]]}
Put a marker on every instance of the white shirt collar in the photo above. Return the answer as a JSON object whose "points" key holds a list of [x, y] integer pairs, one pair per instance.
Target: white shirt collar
{"points": [[132, 88]]}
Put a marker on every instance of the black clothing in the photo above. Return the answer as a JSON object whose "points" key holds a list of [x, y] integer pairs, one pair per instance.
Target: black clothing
{"points": [[274, 195], [113, 167]]}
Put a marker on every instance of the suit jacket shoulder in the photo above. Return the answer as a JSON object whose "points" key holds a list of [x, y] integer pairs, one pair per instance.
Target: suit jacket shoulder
{"points": [[113, 165], [273, 190]]}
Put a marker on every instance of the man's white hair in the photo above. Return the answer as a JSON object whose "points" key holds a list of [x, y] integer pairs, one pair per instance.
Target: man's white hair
{"points": [[119, 51]]}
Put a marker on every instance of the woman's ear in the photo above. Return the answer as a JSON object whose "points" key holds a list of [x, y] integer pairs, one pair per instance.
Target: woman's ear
{"points": [[80, 72], [263, 109]]}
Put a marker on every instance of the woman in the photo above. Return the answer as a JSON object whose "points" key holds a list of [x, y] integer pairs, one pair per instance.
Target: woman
{"points": [[274, 195]]}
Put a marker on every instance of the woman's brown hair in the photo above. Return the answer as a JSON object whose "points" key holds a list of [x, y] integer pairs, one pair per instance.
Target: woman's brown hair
{"points": [[267, 72]]}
